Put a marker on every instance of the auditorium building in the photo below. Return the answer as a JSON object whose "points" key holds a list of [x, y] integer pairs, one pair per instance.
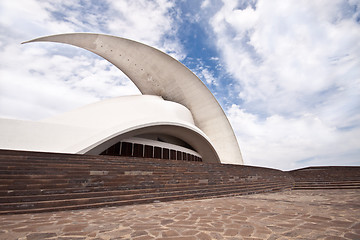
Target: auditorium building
{"points": [[176, 117]]}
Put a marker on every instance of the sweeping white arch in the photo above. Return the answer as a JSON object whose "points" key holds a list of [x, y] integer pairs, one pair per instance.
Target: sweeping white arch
{"points": [[156, 73]]}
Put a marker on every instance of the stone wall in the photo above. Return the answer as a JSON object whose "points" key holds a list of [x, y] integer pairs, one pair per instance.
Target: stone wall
{"points": [[332, 177]]}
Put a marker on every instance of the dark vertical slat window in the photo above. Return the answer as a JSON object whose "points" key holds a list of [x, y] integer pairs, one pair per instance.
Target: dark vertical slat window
{"points": [[117, 149], [148, 151], [138, 150], [126, 149], [111, 150], [172, 154], [165, 153], [157, 152], [178, 155]]}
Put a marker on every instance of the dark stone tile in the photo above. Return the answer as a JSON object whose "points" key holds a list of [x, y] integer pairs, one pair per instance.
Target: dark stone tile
{"points": [[40, 236]]}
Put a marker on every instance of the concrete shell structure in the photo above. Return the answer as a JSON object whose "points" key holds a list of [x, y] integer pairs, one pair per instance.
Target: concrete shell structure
{"points": [[176, 106]]}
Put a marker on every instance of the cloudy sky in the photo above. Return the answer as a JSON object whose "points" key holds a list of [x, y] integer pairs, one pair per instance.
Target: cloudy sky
{"points": [[287, 73]]}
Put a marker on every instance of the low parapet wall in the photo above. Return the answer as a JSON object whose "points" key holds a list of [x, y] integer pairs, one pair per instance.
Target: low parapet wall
{"points": [[332, 177], [36, 182]]}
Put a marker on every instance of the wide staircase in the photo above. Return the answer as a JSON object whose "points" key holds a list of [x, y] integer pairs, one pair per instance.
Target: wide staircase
{"points": [[39, 182], [334, 177]]}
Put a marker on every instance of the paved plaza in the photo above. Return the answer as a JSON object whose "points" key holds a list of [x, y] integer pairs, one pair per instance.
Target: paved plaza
{"points": [[321, 214]]}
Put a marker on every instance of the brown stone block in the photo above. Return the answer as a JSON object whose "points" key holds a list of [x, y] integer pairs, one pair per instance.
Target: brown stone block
{"points": [[319, 218], [217, 224], [170, 233], [183, 222], [191, 232], [274, 237], [352, 236], [337, 223], [166, 221], [231, 232], [40, 236], [296, 233], [236, 225], [203, 236], [143, 238], [179, 238], [139, 233], [219, 230], [144, 226], [156, 232], [246, 231], [356, 226], [70, 238], [334, 238], [24, 229]]}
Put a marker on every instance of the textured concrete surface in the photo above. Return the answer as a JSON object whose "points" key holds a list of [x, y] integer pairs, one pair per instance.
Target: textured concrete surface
{"points": [[327, 214]]}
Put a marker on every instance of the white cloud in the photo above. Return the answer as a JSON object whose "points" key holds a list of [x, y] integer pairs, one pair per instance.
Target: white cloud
{"points": [[208, 76], [150, 22], [289, 143], [35, 85], [42, 79], [205, 4], [297, 67], [292, 50]]}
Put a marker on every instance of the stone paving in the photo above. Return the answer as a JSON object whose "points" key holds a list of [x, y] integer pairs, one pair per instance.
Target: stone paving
{"points": [[320, 214]]}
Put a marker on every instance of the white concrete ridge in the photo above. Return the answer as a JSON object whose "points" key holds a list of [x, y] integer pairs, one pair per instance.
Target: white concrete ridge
{"points": [[156, 73]]}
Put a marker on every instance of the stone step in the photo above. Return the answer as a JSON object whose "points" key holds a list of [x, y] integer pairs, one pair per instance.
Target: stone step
{"points": [[138, 162], [123, 200], [80, 167], [328, 183], [331, 177], [326, 187], [47, 195], [42, 189], [90, 160], [93, 178], [16, 170]]}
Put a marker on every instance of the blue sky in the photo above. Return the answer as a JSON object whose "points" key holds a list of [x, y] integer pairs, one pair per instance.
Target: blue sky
{"points": [[287, 73]]}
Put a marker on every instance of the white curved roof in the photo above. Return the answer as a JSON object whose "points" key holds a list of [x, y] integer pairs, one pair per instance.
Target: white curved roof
{"points": [[156, 73], [95, 127]]}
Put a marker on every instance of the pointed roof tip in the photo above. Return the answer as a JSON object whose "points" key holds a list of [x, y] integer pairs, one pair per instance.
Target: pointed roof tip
{"points": [[40, 39], [29, 41], [49, 38]]}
